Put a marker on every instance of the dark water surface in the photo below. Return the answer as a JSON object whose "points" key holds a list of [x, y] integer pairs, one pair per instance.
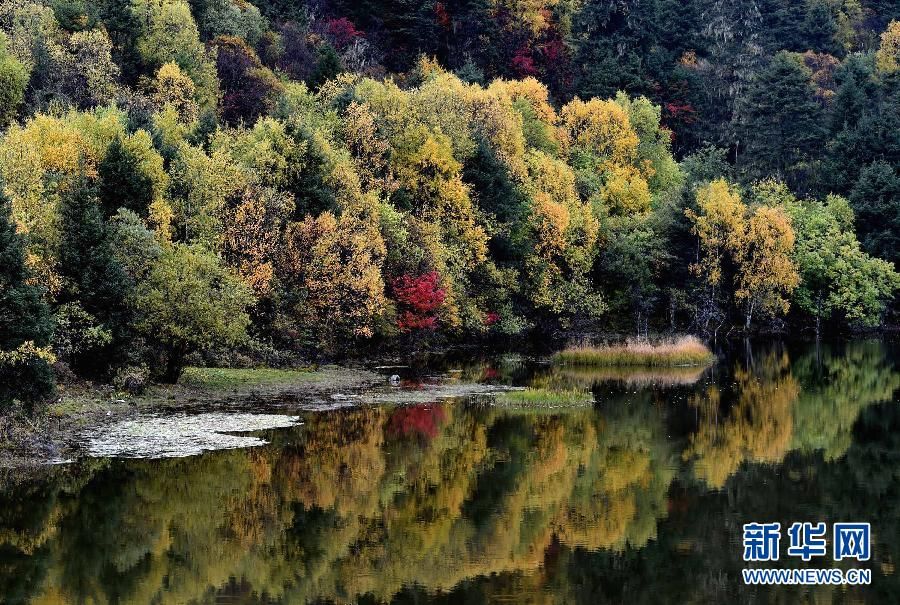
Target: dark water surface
{"points": [[639, 498]]}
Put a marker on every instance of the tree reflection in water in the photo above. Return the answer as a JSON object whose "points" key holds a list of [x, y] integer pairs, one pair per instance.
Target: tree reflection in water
{"points": [[640, 498]]}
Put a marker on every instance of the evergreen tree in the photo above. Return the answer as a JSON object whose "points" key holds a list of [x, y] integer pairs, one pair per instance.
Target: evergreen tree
{"points": [[94, 284], [876, 201], [24, 322], [781, 124], [607, 42], [819, 29], [124, 28], [122, 183], [327, 67]]}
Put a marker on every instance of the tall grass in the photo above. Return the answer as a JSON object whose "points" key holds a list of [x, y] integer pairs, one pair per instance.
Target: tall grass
{"points": [[683, 351]]}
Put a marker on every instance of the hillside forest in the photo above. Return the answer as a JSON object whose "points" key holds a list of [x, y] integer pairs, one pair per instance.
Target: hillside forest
{"points": [[274, 180]]}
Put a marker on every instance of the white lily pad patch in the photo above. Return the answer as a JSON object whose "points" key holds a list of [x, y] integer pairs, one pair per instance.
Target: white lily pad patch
{"points": [[181, 435]]}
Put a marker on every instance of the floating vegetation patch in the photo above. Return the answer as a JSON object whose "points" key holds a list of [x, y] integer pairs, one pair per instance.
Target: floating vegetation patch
{"points": [[182, 435], [536, 398], [684, 351], [429, 392]]}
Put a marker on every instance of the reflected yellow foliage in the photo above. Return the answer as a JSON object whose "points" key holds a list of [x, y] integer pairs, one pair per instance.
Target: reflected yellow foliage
{"points": [[374, 499], [758, 428]]}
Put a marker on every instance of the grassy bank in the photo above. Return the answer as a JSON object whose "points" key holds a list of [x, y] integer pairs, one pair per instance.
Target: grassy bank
{"points": [[684, 351]]}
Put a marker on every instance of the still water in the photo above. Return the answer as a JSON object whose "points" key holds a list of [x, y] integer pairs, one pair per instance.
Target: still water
{"points": [[637, 498]]}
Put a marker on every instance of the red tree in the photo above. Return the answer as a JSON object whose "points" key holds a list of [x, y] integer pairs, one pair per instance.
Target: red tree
{"points": [[342, 32], [419, 299], [523, 63]]}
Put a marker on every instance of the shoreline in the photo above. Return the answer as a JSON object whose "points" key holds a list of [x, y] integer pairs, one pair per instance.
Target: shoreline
{"points": [[53, 433]]}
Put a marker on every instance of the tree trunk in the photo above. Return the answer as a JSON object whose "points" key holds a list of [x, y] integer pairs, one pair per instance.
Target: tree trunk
{"points": [[174, 365]]}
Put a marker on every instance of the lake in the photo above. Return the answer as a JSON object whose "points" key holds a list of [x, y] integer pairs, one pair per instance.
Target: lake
{"points": [[637, 497]]}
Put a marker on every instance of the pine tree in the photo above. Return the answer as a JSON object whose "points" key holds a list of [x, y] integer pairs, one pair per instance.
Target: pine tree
{"points": [[122, 183], [24, 322], [876, 201], [781, 124], [124, 28], [93, 280]]}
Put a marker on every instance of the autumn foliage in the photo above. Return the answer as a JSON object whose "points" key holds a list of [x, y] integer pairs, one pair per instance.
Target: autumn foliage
{"points": [[382, 175], [419, 299]]}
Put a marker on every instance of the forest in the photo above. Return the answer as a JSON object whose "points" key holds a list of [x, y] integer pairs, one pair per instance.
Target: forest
{"points": [[269, 181]]}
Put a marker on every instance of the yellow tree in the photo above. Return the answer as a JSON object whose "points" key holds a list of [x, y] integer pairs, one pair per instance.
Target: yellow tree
{"points": [[603, 128], [333, 265], [604, 146], [173, 88], [887, 59], [626, 192], [561, 233], [719, 216], [766, 273], [370, 152], [252, 235]]}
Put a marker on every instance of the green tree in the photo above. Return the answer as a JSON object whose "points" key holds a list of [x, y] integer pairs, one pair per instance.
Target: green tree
{"points": [[122, 183], [25, 325], [876, 201], [328, 66], [13, 79], [169, 34], [189, 301], [836, 277], [781, 124], [124, 27], [632, 262], [94, 281]]}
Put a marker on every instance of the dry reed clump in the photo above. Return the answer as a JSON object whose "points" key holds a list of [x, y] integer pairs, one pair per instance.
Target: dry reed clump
{"points": [[683, 351]]}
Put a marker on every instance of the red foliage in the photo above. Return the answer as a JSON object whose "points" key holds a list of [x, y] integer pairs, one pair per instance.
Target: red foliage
{"points": [[491, 318], [442, 16], [419, 298], [684, 112], [342, 32], [422, 420], [523, 63], [554, 51]]}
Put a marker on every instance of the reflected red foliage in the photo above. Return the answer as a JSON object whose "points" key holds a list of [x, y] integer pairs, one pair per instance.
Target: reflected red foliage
{"points": [[423, 420]]}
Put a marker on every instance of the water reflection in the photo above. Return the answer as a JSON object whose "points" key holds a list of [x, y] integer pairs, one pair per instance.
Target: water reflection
{"points": [[638, 499]]}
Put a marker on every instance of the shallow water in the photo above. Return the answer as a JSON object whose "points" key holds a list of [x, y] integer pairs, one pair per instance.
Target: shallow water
{"points": [[639, 498]]}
